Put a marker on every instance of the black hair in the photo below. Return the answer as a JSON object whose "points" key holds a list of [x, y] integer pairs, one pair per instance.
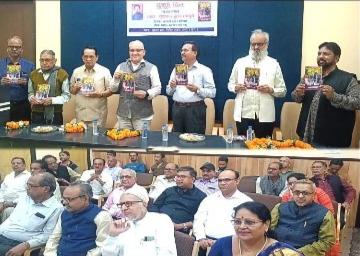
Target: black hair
{"points": [[42, 164], [90, 47], [336, 162], [332, 46], [65, 152], [194, 47], [99, 158], [111, 152], [223, 158], [188, 169], [296, 175]]}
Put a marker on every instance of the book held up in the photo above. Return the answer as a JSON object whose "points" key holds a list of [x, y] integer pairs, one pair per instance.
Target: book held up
{"points": [[13, 72], [252, 76], [42, 91], [312, 77], [181, 74]]}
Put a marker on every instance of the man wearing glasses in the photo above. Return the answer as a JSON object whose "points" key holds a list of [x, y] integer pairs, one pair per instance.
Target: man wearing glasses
{"points": [[302, 223], [140, 232], [254, 104], [272, 183], [165, 181], [138, 82], [82, 226], [33, 219], [14, 74]]}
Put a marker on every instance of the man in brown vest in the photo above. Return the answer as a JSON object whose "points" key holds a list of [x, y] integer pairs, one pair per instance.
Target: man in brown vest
{"points": [[48, 90]]}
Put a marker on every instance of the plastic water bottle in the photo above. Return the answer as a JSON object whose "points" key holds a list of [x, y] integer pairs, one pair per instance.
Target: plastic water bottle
{"points": [[164, 132], [249, 133], [95, 127], [144, 134]]}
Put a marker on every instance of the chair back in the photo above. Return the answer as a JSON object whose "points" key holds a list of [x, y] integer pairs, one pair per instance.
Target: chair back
{"points": [[228, 115], [268, 200], [248, 184], [69, 110], [210, 115], [160, 106], [112, 105], [185, 245], [289, 118], [144, 179], [355, 141]]}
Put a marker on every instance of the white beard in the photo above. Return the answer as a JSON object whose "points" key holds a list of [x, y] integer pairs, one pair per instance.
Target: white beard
{"points": [[258, 56]]}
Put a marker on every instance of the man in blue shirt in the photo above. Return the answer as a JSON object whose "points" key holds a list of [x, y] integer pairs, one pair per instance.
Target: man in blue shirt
{"points": [[135, 164], [14, 73]]}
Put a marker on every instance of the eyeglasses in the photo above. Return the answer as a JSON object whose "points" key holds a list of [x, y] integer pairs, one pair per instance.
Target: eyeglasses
{"points": [[126, 177], [46, 60], [226, 180], [182, 176], [136, 50], [169, 169], [257, 44], [128, 203], [32, 186], [70, 199], [304, 193], [14, 47], [246, 222]]}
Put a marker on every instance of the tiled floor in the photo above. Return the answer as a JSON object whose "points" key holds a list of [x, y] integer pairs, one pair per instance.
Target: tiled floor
{"points": [[355, 243]]}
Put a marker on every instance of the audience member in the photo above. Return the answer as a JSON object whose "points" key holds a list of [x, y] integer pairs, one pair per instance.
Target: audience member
{"points": [[213, 218], [13, 187], [100, 182], [165, 181], [60, 172], [330, 110], [128, 182], [112, 167], [140, 232], [208, 183], [286, 165], [159, 164], [272, 183], [182, 201], [189, 109], [48, 90], [304, 224], [135, 103], [82, 227], [15, 84], [64, 157], [135, 164], [33, 219], [334, 166], [222, 163], [254, 103]]}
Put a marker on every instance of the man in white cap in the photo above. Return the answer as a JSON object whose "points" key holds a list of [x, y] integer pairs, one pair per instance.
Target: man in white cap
{"points": [[140, 232]]}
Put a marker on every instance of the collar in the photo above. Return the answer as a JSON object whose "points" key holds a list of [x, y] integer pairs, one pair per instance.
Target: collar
{"points": [[21, 173], [181, 190], [196, 64], [167, 180], [94, 69], [212, 180], [9, 61], [47, 203]]}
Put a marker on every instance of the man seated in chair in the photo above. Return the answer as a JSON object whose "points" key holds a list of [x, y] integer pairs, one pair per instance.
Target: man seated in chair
{"points": [[82, 226], [112, 166], [128, 182], [208, 183], [159, 164], [135, 164], [140, 232], [100, 182], [33, 219], [212, 219], [302, 223], [222, 164], [286, 165], [272, 183], [60, 172], [165, 181]]}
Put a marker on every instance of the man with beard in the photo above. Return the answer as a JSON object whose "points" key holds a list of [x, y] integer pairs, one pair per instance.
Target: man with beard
{"points": [[255, 107], [329, 111], [48, 90]]}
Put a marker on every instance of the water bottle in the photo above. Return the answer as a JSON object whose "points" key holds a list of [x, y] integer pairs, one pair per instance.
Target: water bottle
{"points": [[144, 134], [95, 127], [164, 132], [249, 133]]}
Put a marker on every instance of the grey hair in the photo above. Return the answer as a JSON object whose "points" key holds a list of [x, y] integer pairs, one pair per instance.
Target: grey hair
{"points": [[16, 38], [261, 32], [50, 52], [137, 42], [85, 188], [48, 180], [131, 171]]}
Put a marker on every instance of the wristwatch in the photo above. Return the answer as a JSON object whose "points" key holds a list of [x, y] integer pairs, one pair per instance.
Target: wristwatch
{"points": [[146, 95]]}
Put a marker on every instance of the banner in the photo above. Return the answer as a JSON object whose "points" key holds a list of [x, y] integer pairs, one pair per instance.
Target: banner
{"points": [[177, 18]]}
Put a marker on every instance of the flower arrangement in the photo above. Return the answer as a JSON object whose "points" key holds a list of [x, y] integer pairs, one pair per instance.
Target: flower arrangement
{"points": [[116, 134], [267, 143], [12, 125], [74, 127]]}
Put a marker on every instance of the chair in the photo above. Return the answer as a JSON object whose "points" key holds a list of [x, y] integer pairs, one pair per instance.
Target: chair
{"points": [[186, 245], [228, 117], [112, 105], [69, 110], [210, 117], [268, 200], [248, 184], [145, 179], [161, 112], [355, 141], [289, 117]]}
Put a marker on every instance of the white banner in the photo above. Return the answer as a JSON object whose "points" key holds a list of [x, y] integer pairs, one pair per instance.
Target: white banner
{"points": [[179, 18]]}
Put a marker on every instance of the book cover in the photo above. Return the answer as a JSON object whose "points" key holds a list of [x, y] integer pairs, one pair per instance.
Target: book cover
{"points": [[181, 74], [42, 91], [128, 82], [204, 11], [87, 85], [252, 76], [312, 77], [13, 72]]}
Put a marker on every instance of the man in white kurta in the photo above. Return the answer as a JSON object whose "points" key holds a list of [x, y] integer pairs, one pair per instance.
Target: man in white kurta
{"points": [[255, 107], [165, 181]]}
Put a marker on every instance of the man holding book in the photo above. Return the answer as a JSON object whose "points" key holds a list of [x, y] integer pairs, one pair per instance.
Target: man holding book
{"points": [[138, 82], [256, 80], [48, 90], [327, 115], [190, 83], [14, 74]]}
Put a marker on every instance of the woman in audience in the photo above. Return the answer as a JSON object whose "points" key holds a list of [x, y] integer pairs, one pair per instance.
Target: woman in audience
{"points": [[251, 222]]}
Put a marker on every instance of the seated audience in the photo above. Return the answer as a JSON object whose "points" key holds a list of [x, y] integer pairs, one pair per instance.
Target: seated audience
{"points": [[165, 181], [82, 226], [335, 166], [13, 187], [111, 167], [251, 221], [304, 224], [208, 183], [128, 182], [272, 183], [64, 157], [159, 164], [60, 172], [286, 165], [213, 218], [140, 232], [182, 201], [100, 182], [33, 219], [112, 154], [135, 164], [222, 163]]}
